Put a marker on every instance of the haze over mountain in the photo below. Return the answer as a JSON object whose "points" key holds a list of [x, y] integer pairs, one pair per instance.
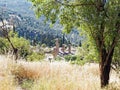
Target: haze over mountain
{"points": [[30, 27], [19, 6]]}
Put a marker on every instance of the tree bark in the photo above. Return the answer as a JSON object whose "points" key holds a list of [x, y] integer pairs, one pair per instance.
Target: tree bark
{"points": [[105, 66], [104, 74]]}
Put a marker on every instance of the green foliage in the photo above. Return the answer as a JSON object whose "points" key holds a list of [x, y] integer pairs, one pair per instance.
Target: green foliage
{"points": [[34, 56], [116, 59], [70, 57], [88, 51], [21, 44], [59, 58], [4, 45], [43, 45], [23, 47], [79, 62], [27, 83], [85, 54]]}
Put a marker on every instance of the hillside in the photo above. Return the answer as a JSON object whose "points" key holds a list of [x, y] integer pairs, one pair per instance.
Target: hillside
{"points": [[19, 6], [34, 29]]}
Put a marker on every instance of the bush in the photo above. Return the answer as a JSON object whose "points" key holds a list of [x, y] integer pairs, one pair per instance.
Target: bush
{"points": [[4, 45], [70, 58], [79, 59], [21, 44], [79, 62], [58, 58], [43, 45], [34, 56], [76, 59]]}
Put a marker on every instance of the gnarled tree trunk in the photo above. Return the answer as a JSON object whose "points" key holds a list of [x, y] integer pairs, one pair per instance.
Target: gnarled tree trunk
{"points": [[105, 66]]}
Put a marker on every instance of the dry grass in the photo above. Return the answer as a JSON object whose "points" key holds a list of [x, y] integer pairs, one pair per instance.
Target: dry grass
{"points": [[7, 81], [63, 76], [56, 76]]}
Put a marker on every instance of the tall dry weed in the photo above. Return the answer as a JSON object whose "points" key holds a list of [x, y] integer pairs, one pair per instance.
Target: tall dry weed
{"points": [[7, 81]]}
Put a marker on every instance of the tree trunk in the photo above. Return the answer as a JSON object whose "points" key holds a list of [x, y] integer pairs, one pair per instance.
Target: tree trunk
{"points": [[105, 66], [15, 50], [104, 74]]}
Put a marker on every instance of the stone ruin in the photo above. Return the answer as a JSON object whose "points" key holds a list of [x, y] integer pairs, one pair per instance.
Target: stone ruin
{"points": [[60, 50]]}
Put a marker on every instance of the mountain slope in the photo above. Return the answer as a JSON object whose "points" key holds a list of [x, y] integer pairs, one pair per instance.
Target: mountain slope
{"points": [[32, 28]]}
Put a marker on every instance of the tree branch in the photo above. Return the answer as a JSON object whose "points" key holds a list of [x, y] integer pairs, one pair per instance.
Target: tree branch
{"points": [[115, 41]]}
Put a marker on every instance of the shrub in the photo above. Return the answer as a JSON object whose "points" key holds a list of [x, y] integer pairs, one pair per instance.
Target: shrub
{"points": [[58, 58], [23, 46], [43, 45], [4, 45], [34, 56], [20, 43], [70, 58]]}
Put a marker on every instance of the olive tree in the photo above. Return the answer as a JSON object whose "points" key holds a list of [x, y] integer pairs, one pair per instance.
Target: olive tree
{"points": [[5, 33]]}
